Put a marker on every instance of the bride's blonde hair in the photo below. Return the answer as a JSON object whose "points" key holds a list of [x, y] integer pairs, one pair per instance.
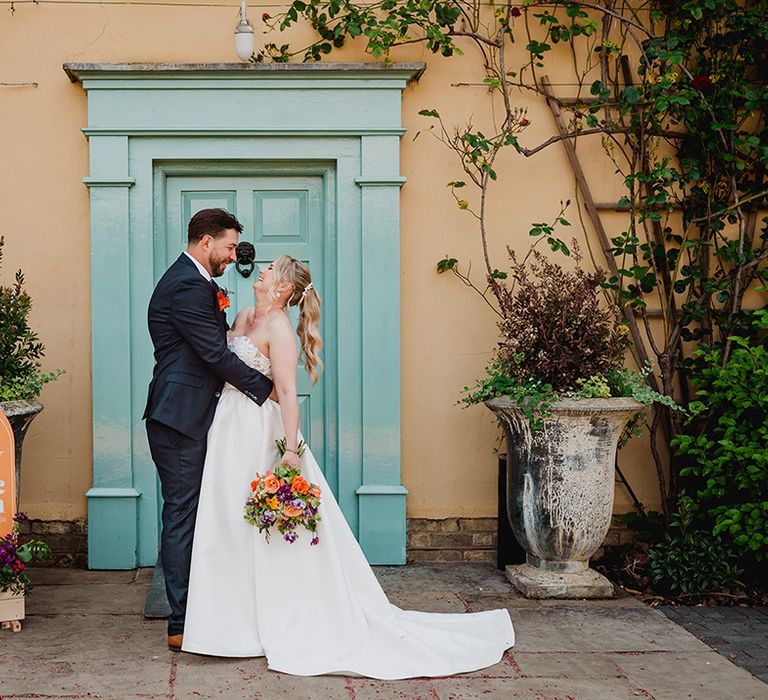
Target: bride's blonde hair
{"points": [[305, 296]]}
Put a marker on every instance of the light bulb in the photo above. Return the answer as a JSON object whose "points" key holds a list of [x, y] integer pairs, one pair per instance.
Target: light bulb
{"points": [[244, 36]]}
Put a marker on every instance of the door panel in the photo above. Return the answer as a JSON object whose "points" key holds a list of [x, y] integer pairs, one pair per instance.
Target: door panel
{"points": [[281, 215]]}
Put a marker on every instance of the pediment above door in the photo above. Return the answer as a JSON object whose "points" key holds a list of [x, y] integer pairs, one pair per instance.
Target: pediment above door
{"points": [[244, 99]]}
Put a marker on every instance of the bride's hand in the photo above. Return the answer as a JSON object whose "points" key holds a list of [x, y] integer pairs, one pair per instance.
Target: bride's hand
{"points": [[291, 459]]}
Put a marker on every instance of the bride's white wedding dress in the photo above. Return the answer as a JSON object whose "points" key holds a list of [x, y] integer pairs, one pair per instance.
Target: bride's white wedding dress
{"points": [[310, 609]]}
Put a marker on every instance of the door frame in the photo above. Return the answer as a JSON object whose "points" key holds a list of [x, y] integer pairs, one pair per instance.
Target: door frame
{"points": [[146, 119]]}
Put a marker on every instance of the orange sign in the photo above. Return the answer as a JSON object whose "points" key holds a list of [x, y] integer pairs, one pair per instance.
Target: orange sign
{"points": [[7, 476]]}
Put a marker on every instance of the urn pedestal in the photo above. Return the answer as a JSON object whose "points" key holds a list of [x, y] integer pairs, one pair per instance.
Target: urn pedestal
{"points": [[560, 483], [20, 414], [11, 610]]}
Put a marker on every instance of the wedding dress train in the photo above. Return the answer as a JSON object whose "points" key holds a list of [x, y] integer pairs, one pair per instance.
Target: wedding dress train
{"points": [[310, 610]]}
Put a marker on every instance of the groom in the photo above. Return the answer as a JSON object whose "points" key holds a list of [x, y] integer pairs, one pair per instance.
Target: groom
{"points": [[188, 326]]}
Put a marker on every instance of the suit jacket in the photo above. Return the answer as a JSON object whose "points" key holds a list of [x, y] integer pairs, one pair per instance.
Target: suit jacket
{"points": [[192, 360]]}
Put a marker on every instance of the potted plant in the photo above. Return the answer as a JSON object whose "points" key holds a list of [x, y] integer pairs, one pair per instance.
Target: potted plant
{"points": [[14, 582], [559, 388], [21, 377]]}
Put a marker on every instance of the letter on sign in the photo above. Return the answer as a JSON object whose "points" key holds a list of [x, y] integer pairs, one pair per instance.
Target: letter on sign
{"points": [[7, 476]]}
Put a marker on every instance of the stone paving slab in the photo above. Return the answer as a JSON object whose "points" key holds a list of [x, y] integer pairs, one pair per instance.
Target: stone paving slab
{"points": [[88, 639], [594, 627], [697, 675], [99, 599]]}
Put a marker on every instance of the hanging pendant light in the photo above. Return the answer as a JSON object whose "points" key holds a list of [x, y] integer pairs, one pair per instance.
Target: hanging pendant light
{"points": [[244, 36]]}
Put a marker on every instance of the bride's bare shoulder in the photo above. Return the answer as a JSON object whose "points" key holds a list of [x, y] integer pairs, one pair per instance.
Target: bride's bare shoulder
{"points": [[242, 319], [280, 328], [280, 323]]}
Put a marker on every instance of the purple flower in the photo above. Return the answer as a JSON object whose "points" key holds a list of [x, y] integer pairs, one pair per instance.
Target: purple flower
{"points": [[21, 518], [298, 503], [315, 540]]}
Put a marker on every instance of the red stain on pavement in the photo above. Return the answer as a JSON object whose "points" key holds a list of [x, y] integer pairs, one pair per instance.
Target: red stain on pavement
{"points": [[172, 676], [511, 661], [350, 688]]}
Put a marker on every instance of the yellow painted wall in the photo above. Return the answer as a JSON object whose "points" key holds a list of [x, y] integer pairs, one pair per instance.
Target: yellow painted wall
{"points": [[447, 333]]}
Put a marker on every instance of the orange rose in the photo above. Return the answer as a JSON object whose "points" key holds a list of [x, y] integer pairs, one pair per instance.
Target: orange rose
{"points": [[255, 484], [271, 484], [223, 300], [299, 484], [292, 512]]}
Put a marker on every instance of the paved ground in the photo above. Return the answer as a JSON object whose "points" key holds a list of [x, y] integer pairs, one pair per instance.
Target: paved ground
{"points": [[740, 634], [86, 638]]}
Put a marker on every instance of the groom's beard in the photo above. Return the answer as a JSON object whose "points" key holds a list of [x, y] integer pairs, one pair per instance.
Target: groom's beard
{"points": [[218, 266]]}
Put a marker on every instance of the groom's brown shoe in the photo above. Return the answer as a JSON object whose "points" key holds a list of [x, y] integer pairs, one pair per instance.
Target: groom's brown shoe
{"points": [[175, 641]]}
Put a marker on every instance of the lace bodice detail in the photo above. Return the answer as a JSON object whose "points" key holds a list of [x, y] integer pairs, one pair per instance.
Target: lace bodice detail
{"points": [[242, 346]]}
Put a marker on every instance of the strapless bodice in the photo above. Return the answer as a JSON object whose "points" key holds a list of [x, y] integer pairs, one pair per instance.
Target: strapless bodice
{"points": [[242, 346]]}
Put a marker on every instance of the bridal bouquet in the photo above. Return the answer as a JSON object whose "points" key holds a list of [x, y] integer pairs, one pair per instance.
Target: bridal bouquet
{"points": [[283, 499]]}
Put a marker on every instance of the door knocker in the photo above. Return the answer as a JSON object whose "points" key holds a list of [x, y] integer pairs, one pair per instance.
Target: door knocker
{"points": [[246, 255]]}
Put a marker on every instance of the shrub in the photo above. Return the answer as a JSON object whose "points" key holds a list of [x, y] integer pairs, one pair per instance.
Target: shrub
{"points": [[725, 447], [553, 328], [20, 347], [692, 561]]}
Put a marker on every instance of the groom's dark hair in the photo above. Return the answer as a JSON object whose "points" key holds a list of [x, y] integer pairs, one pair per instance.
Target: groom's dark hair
{"points": [[211, 222]]}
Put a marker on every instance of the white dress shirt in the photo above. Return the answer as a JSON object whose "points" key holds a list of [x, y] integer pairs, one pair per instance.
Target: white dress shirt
{"points": [[199, 267]]}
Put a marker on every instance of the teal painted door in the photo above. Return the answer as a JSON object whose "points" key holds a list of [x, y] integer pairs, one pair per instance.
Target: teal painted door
{"points": [[165, 140], [281, 215]]}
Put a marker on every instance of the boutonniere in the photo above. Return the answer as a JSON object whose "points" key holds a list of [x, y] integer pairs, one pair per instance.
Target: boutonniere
{"points": [[223, 297]]}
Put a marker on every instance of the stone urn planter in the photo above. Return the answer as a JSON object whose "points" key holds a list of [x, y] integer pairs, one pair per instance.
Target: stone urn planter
{"points": [[20, 414], [560, 483], [11, 610]]}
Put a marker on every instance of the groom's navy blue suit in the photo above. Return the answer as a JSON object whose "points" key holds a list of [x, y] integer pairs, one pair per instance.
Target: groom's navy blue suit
{"points": [[192, 362]]}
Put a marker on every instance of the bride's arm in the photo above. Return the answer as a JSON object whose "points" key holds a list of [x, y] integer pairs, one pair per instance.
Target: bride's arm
{"points": [[285, 359]]}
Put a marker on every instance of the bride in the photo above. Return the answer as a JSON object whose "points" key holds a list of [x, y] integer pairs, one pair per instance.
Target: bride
{"points": [[309, 609]]}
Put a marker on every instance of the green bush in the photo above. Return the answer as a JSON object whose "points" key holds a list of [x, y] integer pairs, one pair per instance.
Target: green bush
{"points": [[725, 447], [692, 561], [20, 347]]}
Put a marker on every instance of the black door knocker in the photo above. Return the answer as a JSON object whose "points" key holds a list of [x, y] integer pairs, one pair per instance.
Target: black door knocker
{"points": [[246, 255]]}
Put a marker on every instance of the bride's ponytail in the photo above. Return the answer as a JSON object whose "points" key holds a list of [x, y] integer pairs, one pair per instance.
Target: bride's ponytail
{"points": [[309, 331], [305, 296]]}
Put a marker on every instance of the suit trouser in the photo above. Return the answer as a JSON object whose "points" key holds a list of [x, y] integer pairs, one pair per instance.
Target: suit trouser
{"points": [[179, 460]]}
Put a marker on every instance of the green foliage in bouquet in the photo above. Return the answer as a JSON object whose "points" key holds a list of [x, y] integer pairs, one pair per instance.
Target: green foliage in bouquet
{"points": [[20, 348]]}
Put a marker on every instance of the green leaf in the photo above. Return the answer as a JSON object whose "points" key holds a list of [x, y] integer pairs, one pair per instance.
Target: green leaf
{"points": [[446, 264], [631, 95]]}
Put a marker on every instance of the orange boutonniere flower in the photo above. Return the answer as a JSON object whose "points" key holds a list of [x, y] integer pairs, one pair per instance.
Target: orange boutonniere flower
{"points": [[223, 298]]}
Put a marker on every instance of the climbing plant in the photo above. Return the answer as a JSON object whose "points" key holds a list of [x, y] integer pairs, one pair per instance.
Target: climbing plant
{"points": [[675, 92]]}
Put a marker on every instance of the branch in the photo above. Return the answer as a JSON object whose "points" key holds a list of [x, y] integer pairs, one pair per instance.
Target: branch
{"points": [[586, 132], [618, 16], [468, 282], [473, 35]]}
